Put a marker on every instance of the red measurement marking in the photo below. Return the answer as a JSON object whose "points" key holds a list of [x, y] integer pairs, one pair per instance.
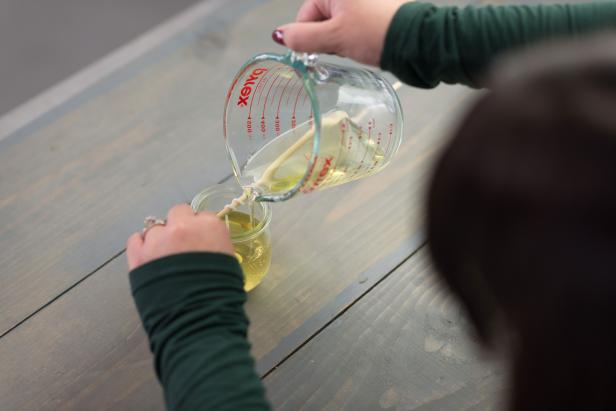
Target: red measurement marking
{"points": [[258, 90], [291, 93], [321, 177], [333, 180], [276, 78], [316, 159], [268, 92], [249, 120], [350, 144], [343, 128], [346, 167], [371, 126], [361, 163], [246, 90], [270, 76], [299, 92], [288, 75], [249, 127], [277, 121], [390, 132], [378, 143], [281, 77]]}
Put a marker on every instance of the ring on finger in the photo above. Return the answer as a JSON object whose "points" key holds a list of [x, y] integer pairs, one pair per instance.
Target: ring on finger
{"points": [[150, 222]]}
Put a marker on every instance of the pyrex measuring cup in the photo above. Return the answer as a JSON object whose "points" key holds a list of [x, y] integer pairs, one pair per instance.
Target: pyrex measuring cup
{"points": [[294, 124]]}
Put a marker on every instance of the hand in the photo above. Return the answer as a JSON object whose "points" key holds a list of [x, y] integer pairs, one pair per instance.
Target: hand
{"points": [[185, 231], [348, 28]]}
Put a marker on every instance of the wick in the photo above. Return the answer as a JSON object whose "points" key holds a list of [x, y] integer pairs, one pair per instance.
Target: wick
{"points": [[268, 175]]}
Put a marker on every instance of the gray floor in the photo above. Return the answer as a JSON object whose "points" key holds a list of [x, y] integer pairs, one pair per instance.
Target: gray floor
{"points": [[44, 41]]}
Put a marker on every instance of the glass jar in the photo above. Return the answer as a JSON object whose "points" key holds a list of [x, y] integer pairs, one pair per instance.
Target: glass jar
{"points": [[248, 226]]}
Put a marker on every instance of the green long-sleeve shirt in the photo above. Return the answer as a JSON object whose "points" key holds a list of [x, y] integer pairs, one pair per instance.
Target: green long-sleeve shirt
{"points": [[191, 304], [426, 45]]}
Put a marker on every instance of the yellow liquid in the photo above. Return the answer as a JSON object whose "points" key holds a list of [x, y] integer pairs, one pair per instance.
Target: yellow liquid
{"points": [[346, 153], [254, 254]]}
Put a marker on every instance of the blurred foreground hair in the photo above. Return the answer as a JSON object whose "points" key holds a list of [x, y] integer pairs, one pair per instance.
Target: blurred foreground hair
{"points": [[522, 223]]}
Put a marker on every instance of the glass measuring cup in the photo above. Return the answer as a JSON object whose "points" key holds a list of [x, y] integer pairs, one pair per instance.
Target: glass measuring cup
{"points": [[294, 124], [251, 239]]}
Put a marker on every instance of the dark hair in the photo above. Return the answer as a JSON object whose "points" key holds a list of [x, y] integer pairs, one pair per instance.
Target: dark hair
{"points": [[522, 226]]}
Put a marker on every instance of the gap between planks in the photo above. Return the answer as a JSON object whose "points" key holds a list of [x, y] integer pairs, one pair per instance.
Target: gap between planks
{"points": [[319, 322], [75, 284]]}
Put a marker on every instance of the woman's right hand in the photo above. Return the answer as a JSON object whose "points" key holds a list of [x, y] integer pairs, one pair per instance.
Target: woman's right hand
{"points": [[348, 28]]}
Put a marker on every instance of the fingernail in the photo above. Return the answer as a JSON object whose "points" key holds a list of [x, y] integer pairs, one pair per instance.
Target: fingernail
{"points": [[277, 37]]}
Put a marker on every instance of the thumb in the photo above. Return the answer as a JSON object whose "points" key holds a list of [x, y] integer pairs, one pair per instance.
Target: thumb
{"points": [[319, 37]]}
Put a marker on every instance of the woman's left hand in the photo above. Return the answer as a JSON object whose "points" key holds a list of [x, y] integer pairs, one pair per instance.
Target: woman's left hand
{"points": [[184, 231]]}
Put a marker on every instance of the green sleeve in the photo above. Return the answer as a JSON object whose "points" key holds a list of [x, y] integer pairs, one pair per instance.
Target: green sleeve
{"points": [[191, 306], [426, 45]]}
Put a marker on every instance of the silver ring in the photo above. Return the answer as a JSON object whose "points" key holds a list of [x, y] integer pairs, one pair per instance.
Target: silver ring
{"points": [[150, 222]]}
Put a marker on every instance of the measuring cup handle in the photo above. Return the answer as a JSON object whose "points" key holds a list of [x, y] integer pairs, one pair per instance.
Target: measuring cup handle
{"points": [[308, 59], [317, 71]]}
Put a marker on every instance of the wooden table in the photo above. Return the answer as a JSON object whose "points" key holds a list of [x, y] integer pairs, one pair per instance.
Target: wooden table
{"points": [[351, 315]]}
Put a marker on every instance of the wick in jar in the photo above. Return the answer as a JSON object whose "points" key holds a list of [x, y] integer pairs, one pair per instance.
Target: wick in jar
{"points": [[248, 194]]}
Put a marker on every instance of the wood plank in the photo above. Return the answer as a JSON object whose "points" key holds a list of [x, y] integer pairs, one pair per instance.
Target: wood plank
{"points": [[76, 183], [287, 345], [325, 242], [88, 344], [96, 72], [404, 346], [86, 351]]}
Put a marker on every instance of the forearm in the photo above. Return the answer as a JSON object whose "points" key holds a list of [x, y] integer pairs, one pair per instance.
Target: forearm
{"points": [[426, 45], [191, 306]]}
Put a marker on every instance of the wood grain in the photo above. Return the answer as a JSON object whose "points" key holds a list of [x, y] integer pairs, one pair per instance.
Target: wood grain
{"points": [[84, 180], [74, 185], [404, 346], [89, 342], [86, 351], [323, 243]]}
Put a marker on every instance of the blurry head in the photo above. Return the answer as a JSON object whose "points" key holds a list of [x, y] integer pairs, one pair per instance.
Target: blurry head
{"points": [[522, 225]]}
